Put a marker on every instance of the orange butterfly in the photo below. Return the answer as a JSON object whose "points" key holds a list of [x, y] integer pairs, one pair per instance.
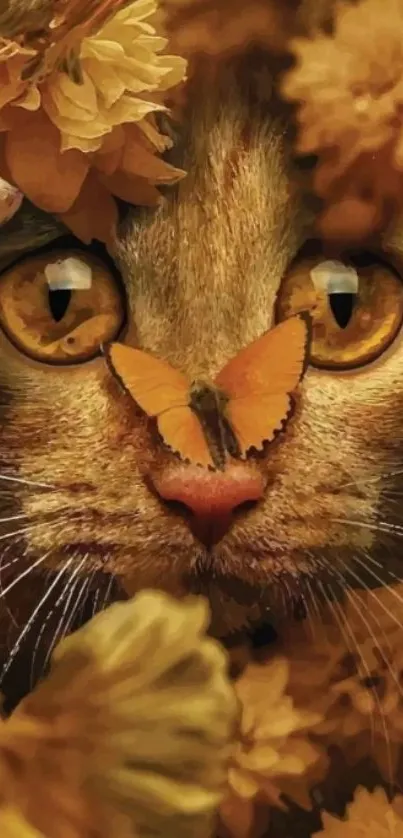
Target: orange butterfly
{"points": [[246, 406]]}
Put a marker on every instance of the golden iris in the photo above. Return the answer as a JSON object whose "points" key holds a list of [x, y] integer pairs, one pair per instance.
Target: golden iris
{"points": [[356, 307], [60, 307]]}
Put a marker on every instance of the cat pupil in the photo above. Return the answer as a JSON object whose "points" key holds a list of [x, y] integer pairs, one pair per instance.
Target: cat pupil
{"points": [[59, 301], [342, 306]]}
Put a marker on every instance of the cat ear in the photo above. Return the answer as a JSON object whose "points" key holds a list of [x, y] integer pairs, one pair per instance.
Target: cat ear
{"points": [[259, 381]]}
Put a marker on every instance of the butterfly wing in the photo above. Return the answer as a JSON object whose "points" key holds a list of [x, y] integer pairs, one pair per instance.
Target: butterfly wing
{"points": [[260, 379], [181, 430], [153, 384], [162, 392]]}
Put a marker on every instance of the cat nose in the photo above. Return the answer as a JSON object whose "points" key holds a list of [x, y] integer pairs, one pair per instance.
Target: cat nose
{"points": [[209, 500]]}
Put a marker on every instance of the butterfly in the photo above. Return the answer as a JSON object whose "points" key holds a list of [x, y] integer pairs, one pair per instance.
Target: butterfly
{"points": [[245, 407]]}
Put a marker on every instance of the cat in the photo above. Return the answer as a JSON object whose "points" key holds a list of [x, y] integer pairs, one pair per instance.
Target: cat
{"points": [[86, 483]]}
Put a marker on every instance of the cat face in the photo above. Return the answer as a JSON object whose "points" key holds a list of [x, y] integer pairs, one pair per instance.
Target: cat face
{"points": [[203, 276]]}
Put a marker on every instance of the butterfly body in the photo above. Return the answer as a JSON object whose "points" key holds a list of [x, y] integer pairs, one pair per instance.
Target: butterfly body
{"points": [[246, 406], [209, 403]]}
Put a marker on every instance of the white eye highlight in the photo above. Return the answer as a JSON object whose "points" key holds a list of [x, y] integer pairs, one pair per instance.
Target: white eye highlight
{"points": [[334, 277], [69, 274]]}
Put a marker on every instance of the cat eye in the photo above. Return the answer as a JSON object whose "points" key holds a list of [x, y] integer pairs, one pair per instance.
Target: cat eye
{"points": [[356, 306], [59, 308]]}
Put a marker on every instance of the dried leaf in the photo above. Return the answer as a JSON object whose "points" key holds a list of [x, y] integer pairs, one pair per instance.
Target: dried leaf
{"points": [[137, 160], [49, 179], [94, 214], [134, 190]]}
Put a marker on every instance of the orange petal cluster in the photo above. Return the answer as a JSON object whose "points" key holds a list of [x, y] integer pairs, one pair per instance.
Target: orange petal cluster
{"points": [[336, 681], [273, 755], [77, 105], [352, 672], [349, 90], [370, 814]]}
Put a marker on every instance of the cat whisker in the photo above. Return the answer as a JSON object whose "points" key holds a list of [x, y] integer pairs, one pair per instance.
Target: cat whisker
{"points": [[368, 558], [379, 526], [315, 607], [79, 603], [108, 592], [25, 573], [75, 578], [23, 516], [352, 595], [372, 593], [4, 567], [70, 586], [31, 527], [355, 602], [96, 601], [28, 625], [26, 482], [354, 647], [371, 480]]}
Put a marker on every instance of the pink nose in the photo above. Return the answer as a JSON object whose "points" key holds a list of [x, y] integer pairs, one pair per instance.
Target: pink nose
{"points": [[210, 500]]}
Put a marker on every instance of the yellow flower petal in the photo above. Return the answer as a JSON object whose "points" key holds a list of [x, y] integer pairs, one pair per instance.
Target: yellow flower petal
{"points": [[261, 758], [115, 88], [67, 96], [30, 100], [242, 783]]}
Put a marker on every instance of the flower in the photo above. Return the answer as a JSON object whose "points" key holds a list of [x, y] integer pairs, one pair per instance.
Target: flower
{"points": [[131, 732], [77, 112], [349, 88], [273, 756], [370, 814], [117, 67], [352, 672]]}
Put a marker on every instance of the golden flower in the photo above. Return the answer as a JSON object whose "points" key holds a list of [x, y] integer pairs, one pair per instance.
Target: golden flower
{"points": [[130, 734], [352, 673], [117, 66], [76, 112], [273, 755], [349, 86], [370, 814]]}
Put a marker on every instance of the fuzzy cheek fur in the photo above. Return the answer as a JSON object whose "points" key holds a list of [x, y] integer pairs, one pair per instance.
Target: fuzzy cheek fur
{"points": [[202, 277]]}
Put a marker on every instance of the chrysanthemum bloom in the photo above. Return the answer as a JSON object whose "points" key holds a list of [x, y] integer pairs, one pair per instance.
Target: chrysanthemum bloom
{"points": [[370, 815], [352, 673], [76, 112], [273, 755], [130, 734], [349, 86]]}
